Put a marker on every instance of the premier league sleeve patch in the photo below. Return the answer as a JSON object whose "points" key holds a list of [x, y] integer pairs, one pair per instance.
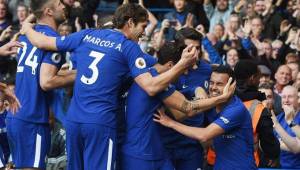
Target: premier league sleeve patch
{"points": [[140, 63], [56, 58]]}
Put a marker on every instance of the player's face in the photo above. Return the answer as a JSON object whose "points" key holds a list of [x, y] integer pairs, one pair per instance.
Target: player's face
{"points": [[195, 43], [217, 83], [138, 30], [59, 11]]}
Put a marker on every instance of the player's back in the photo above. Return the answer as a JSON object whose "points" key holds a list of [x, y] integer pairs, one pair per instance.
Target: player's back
{"points": [[34, 104], [103, 59]]}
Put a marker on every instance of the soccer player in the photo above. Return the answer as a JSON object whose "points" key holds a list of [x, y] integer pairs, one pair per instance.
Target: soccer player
{"points": [[187, 153], [143, 147], [103, 59], [37, 73], [231, 127]]}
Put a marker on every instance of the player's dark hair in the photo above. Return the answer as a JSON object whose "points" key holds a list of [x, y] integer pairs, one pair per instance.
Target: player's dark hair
{"points": [[37, 7], [224, 69], [127, 11], [186, 33], [168, 52]]}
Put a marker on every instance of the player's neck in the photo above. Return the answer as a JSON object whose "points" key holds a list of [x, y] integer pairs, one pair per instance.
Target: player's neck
{"points": [[49, 22]]}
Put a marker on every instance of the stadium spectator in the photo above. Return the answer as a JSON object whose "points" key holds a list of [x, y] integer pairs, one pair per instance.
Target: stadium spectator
{"points": [[283, 77], [247, 74], [289, 143]]}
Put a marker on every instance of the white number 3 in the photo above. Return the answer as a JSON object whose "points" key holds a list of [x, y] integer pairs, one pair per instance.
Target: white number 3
{"points": [[93, 66]]}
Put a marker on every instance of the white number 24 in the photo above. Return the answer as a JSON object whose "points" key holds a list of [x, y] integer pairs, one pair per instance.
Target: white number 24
{"points": [[93, 66], [30, 61]]}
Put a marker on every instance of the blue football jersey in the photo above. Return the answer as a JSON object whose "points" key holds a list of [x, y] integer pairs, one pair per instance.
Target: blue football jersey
{"points": [[34, 101], [186, 84], [103, 58], [234, 148], [142, 138]]}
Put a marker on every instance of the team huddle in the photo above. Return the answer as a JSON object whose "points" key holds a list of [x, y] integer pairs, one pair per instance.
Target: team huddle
{"points": [[161, 93]]}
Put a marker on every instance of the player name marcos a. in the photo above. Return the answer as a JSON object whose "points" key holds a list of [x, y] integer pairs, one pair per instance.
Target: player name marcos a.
{"points": [[102, 43]]}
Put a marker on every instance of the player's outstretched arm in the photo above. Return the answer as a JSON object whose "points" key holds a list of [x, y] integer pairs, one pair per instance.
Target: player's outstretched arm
{"points": [[153, 85], [38, 39], [201, 134], [50, 79], [190, 108]]}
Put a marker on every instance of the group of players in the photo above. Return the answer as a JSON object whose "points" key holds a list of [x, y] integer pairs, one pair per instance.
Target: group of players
{"points": [[106, 60]]}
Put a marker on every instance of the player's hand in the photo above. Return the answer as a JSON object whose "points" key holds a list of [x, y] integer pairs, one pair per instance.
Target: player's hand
{"points": [[10, 48], [229, 89], [10, 97], [163, 119], [189, 56], [25, 27]]}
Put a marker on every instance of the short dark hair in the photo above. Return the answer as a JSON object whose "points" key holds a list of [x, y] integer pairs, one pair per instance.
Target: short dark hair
{"points": [[168, 52], [37, 7], [246, 68], [186, 33], [224, 69], [127, 11]]}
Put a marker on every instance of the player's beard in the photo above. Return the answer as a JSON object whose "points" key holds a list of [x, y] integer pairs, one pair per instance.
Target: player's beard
{"points": [[60, 17]]}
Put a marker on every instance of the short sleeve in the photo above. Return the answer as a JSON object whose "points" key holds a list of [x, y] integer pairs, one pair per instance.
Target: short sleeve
{"points": [[55, 59], [230, 118], [167, 92], [70, 42], [135, 58]]}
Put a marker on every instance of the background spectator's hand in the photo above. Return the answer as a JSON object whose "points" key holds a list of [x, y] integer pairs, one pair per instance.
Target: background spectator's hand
{"points": [[268, 4], [6, 34], [200, 28], [246, 28], [189, 21], [10, 48], [274, 118], [284, 26], [125, 1], [10, 97], [177, 26], [165, 24]]}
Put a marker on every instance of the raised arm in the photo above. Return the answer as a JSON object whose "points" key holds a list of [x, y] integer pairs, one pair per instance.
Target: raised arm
{"points": [[7, 94], [292, 143], [50, 79], [190, 108], [153, 85], [37, 39], [201, 134]]}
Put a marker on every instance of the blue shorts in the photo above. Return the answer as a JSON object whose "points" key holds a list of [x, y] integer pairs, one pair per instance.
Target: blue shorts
{"points": [[131, 163], [2, 164], [90, 146], [5, 146], [184, 159], [29, 143]]}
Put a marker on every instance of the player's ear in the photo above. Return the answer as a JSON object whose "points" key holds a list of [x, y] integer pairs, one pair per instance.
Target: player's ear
{"points": [[130, 23], [48, 11], [170, 64]]}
